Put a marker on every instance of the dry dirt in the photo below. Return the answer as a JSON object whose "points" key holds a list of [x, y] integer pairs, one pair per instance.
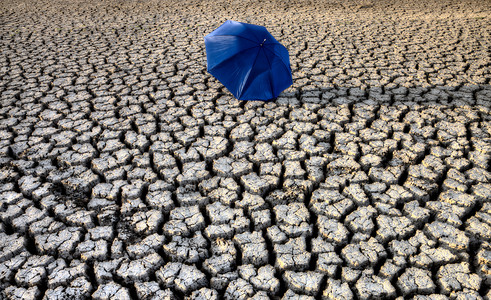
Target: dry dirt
{"points": [[128, 172]]}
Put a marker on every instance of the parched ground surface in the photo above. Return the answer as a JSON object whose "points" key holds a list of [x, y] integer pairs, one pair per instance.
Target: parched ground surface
{"points": [[127, 171]]}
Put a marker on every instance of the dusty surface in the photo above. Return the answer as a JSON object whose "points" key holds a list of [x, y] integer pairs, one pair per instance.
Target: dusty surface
{"points": [[128, 172]]}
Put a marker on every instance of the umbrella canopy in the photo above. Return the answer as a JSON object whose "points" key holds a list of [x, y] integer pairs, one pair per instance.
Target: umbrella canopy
{"points": [[248, 61]]}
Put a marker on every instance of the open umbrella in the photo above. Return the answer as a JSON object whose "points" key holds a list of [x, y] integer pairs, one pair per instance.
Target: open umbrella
{"points": [[248, 61]]}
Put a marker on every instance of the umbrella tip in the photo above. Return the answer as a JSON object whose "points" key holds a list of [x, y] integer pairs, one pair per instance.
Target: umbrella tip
{"points": [[263, 42]]}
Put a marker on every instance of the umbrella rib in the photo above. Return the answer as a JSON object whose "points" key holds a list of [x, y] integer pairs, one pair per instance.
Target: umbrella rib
{"points": [[269, 73], [243, 50], [274, 53], [252, 31], [249, 73]]}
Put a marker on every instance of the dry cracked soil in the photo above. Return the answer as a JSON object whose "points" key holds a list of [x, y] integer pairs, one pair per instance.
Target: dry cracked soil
{"points": [[128, 172]]}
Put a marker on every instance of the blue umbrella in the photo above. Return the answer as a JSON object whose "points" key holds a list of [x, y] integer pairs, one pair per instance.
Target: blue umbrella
{"points": [[248, 61]]}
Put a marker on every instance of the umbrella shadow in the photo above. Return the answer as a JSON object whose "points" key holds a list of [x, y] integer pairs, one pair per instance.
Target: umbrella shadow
{"points": [[468, 95]]}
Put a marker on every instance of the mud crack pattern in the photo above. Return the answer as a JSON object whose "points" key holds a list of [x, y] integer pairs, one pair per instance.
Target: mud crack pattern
{"points": [[128, 172]]}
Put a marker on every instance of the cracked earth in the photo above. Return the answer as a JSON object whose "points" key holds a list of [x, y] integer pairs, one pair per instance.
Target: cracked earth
{"points": [[128, 172]]}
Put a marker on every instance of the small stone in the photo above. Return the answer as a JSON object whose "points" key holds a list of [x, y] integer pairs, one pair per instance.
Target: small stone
{"points": [[415, 280], [457, 277], [304, 282]]}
